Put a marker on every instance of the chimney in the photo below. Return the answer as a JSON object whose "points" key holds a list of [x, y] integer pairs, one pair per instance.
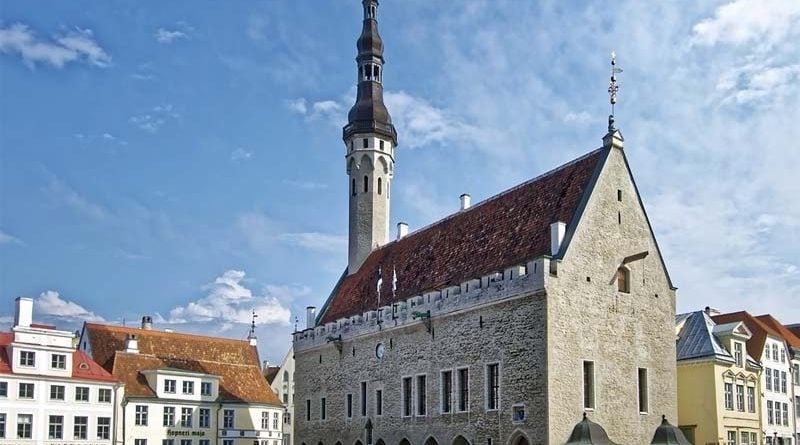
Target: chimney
{"points": [[266, 365], [132, 344], [147, 323], [24, 315], [557, 231], [310, 322], [712, 311], [402, 230], [465, 201]]}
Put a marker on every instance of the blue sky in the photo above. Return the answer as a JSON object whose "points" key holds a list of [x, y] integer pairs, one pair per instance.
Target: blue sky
{"points": [[187, 163]]}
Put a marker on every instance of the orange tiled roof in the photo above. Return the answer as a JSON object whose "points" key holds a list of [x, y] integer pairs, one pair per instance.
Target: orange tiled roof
{"points": [[760, 330], [234, 361], [791, 338]]}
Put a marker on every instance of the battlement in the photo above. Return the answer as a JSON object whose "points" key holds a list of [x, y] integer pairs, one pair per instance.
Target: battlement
{"points": [[501, 285]]}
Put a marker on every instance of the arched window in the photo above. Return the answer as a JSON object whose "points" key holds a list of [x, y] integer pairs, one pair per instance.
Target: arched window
{"points": [[380, 188], [354, 187], [285, 376], [366, 184], [623, 280]]}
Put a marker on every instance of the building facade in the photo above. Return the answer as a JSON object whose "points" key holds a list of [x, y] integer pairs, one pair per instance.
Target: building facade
{"points": [[502, 323], [49, 392], [793, 357], [767, 343], [719, 391], [282, 383], [184, 389]]}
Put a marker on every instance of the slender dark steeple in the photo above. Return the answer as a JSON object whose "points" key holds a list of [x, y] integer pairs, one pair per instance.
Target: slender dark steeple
{"points": [[369, 114]]}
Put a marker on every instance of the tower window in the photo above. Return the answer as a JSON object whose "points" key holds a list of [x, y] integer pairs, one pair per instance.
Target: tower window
{"points": [[366, 184], [619, 195], [623, 280], [380, 143], [354, 186], [379, 186], [366, 143]]}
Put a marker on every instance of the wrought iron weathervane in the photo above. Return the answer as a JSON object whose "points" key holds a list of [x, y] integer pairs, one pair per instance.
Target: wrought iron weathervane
{"points": [[613, 88]]}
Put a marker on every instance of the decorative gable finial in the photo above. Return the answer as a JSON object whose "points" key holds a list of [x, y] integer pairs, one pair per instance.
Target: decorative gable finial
{"points": [[613, 88]]}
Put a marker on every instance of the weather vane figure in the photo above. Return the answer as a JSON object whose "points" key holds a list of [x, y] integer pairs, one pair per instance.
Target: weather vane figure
{"points": [[613, 88]]}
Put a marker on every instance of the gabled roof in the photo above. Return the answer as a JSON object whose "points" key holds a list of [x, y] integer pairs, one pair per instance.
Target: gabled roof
{"points": [[500, 232], [790, 337], [5, 362], [697, 340], [794, 328], [760, 331], [235, 362], [270, 373]]}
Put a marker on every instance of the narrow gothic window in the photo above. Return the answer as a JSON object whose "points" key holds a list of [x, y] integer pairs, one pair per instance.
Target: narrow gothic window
{"points": [[366, 184], [381, 145], [379, 186], [366, 143], [623, 280], [354, 186]]}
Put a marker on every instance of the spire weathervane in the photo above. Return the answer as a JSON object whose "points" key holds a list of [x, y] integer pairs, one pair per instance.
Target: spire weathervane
{"points": [[613, 88], [252, 332]]}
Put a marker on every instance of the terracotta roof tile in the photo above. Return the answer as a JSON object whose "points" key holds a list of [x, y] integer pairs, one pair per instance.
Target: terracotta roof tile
{"points": [[505, 230], [755, 346], [234, 361], [791, 339], [5, 363]]}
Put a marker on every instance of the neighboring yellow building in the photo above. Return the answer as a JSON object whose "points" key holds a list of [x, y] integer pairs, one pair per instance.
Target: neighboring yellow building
{"points": [[719, 394]]}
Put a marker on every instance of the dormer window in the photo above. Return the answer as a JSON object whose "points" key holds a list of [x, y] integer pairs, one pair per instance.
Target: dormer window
{"points": [[623, 280], [169, 386], [205, 388], [27, 358], [188, 387], [737, 348]]}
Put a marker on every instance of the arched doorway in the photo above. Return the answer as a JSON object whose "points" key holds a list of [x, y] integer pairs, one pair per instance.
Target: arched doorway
{"points": [[521, 440], [431, 441], [460, 440]]}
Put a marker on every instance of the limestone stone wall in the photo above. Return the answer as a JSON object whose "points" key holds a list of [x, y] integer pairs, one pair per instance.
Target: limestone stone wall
{"points": [[589, 319], [510, 333]]}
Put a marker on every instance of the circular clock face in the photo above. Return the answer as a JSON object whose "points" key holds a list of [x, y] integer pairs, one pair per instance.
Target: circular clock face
{"points": [[380, 350]]}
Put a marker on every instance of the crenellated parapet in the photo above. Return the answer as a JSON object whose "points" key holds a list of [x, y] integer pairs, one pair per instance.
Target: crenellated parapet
{"points": [[517, 281]]}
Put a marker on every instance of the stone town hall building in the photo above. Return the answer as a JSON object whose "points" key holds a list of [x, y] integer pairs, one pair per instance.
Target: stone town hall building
{"points": [[506, 320]]}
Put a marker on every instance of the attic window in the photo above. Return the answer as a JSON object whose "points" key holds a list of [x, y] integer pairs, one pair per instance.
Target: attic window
{"points": [[619, 195], [623, 280], [83, 365]]}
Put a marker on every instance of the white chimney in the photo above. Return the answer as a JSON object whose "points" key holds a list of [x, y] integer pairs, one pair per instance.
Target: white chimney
{"points": [[132, 344], [24, 314], [465, 201], [402, 230], [557, 231], [147, 323], [310, 322]]}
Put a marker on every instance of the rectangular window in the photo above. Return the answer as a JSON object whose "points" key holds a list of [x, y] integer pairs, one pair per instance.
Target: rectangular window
{"points": [[186, 441], [81, 393], [378, 402], [139, 441], [797, 406], [3, 389], [768, 375], [24, 426], [186, 417], [141, 415], [729, 396], [740, 397], [785, 414], [188, 387], [55, 429], [205, 388], [422, 395], [776, 380], [275, 421], [204, 418], [745, 440], [227, 441], [204, 442], [104, 395], [363, 399], [643, 402], [737, 347], [588, 385], [264, 420], [169, 386], [56, 392], [770, 413], [407, 396], [104, 428], [227, 418], [447, 391], [754, 438], [323, 408], [169, 416], [463, 389], [751, 399], [783, 382], [2, 425], [286, 398], [27, 358], [349, 406], [80, 428], [167, 441], [25, 391], [492, 386], [731, 437], [308, 410], [58, 361]]}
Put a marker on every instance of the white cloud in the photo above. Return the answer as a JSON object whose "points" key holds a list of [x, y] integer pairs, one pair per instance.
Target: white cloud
{"points": [[50, 303], [297, 105], [153, 120], [316, 241], [240, 154], [169, 36], [747, 21], [63, 195], [229, 300], [5, 238], [75, 45]]}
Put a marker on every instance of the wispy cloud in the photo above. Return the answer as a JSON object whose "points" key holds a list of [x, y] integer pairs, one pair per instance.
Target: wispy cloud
{"points": [[153, 120], [75, 45], [765, 22], [62, 194], [50, 304], [5, 238], [240, 154], [169, 36]]}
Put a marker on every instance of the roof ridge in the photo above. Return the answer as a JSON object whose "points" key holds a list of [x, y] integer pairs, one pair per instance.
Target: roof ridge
{"points": [[118, 328]]}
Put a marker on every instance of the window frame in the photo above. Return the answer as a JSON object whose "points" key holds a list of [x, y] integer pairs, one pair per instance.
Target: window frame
{"points": [[187, 387], [229, 419], [170, 386], [82, 394], [80, 431], [27, 356], [204, 418], [60, 390], [591, 398], [58, 361], [462, 393], [643, 390], [728, 395], [446, 391], [168, 417], [103, 430], [141, 414], [421, 395], [407, 396], [27, 428], [55, 430], [29, 392], [492, 386]]}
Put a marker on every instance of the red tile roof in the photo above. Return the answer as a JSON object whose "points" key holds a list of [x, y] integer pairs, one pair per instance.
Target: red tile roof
{"points": [[5, 362], [791, 339], [505, 230], [760, 330], [234, 361]]}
